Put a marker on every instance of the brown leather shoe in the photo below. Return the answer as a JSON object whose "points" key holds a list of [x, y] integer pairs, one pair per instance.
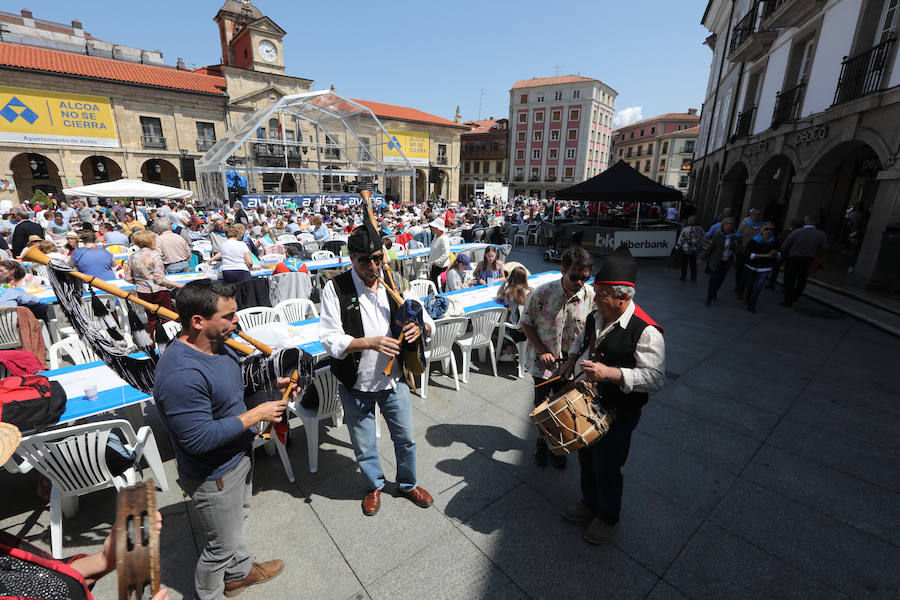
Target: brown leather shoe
{"points": [[419, 497], [371, 503], [259, 573]]}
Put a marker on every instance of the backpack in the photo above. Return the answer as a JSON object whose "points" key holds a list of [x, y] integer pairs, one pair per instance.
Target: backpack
{"points": [[435, 306], [29, 401]]}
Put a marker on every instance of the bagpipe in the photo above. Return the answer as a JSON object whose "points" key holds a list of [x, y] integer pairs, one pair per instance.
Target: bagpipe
{"points": [[259, 371], [408, 311]]}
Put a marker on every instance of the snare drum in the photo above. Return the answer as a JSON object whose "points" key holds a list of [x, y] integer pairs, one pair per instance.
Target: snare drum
{"points": [[573, 420]]}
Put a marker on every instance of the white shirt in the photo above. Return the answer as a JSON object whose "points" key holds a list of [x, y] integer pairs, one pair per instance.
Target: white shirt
{"points": [[440, 251], [376, 319], [648, 374], [233, 252]]}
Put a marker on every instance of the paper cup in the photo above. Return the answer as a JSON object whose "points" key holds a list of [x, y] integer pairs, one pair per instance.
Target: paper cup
{"points": [[90, 392]]}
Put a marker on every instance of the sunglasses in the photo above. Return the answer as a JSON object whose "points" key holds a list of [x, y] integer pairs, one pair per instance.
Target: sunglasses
{"points": [[364, 260], [578, 279]]}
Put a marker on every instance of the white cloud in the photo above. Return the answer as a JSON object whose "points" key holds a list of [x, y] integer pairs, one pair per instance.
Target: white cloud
{"points": [[627, 116]]}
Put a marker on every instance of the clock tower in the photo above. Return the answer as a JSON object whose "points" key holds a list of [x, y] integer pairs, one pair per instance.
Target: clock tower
{"points": [[250, 40]]}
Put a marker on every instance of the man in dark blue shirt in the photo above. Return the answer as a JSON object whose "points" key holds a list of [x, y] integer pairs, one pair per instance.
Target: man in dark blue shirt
{"points": [[199, 392]]}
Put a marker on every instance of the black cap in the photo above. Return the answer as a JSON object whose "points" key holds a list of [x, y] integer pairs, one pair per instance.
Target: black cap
{"points": [[617, 269], [364, 239]]}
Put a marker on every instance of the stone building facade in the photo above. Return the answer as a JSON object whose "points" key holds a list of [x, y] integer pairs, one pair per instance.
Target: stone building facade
{"points": [[660, 147], [483, 156], [802, 118]]}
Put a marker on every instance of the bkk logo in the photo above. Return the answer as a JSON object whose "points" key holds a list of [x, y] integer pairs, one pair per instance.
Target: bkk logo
{"points": [[15, 108]]}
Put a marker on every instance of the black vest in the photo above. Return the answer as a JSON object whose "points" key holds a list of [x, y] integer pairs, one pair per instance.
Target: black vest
{"points": [[617, 350], [346, 369]]}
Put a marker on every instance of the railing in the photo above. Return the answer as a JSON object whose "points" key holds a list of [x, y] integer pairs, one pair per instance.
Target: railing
{"points": [[550, 178], [744, 29], [568, 179], [156, 142], [203, 145], [742, 127], [518, 178], [442, 160], [787, 105], [864, 73], [534, 178]]}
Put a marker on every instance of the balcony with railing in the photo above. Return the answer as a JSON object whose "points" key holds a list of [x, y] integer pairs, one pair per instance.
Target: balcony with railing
{"points": [[534, 178], [781, 14], [442, 160], [518, 178], [864, 73], [744, 124], [550, 178], [204, 144], [749, 42], [153, 142], [787, 105]]}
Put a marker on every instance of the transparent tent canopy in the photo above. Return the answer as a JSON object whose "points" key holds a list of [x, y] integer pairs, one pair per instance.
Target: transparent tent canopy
{"points": [[311, 143]]}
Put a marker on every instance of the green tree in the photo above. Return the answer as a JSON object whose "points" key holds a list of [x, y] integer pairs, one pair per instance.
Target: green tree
{"points": [[41, 198]]}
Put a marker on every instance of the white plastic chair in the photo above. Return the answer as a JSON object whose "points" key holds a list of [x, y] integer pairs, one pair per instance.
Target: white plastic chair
{"points": [[305, 237], [78, 352], [441, 348], [318, 254], [172, 329], [483, 324], [521, 234], [326, 385], [534, 232], [422, 287], [296, 309], [287, 238], [10, 338], [74, 460], [456, 239], [503, 251], [311, 246], [272, 259], [505, 329], [257, 315]]}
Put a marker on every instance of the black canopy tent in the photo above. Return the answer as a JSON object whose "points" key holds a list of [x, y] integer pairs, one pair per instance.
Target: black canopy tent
{"points": [[619, 183]]}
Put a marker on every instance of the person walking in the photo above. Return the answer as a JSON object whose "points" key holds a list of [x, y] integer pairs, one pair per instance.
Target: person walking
{"points": [[720, 256], [800, 248], [760, 255], [689, 241]]}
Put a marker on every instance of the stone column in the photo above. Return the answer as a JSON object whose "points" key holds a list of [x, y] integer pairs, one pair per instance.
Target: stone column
{"points": [[808, 195], [885, 210]]}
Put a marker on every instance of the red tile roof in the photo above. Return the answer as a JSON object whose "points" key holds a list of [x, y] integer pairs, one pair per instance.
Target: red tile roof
{"points": [[404, 113], [665, 117], [67, 63], [536, 81], [689, 131], [483, 126]]}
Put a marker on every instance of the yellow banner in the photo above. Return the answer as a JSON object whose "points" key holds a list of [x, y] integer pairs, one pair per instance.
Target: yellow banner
{"points": [[63, 119], [413, 145]]}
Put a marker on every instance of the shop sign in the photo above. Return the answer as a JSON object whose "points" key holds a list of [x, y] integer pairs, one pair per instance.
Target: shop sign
{"points": [[812, 134], [57, 118], [757, 148], [411, 144], [254, 201], [647, 243]]}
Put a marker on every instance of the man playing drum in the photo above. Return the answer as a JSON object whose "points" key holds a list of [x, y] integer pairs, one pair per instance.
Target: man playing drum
{"points": [[625, 355], [552, 320]]}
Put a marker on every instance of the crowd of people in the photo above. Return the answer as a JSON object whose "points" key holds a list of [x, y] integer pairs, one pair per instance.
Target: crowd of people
{"points": [[756, 251]]}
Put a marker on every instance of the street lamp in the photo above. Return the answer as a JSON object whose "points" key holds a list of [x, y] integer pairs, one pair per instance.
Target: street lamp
{"points": [[33, 164]]}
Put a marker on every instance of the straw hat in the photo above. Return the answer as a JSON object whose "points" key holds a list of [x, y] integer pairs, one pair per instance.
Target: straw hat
{"points": [[35, 238], [9, 441], [438, 224]]}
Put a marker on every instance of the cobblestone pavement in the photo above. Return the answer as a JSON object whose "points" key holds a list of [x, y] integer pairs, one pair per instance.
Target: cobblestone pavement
{"points": [[769, 466]]}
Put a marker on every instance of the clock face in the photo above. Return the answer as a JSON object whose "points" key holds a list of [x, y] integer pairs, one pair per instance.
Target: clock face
{"points": [[267, 50]]}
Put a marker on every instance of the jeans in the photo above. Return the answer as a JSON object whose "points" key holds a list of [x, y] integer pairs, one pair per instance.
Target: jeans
{"points": [[716, 277], [601, 467], [796, 268], [235, 276], [686, 260], [396, 406], [754, 280], [222, 513], [178, 267]]}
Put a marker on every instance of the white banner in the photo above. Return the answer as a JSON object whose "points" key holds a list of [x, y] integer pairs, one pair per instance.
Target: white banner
{"points": [[647, 243]]}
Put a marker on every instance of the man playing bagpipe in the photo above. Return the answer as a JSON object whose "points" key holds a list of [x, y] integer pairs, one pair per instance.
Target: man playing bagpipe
{"points": [[372, 333]]}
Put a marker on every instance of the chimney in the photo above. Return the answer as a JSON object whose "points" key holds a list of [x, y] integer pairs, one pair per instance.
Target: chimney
{"points": [[331, 89], [27, 18], [77, 29], [692, 111], [180, 65], [458, 117]]}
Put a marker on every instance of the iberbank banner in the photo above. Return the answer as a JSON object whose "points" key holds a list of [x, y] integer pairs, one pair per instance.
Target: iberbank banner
{"points": [[306, 200], [58, 118]]}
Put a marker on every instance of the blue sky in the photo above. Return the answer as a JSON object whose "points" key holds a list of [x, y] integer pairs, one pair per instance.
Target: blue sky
{"points": [[433, 56]]}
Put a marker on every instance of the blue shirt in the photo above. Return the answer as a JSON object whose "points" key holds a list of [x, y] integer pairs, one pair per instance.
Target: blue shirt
{"points": [[199, 397], [116, 238], [94, 261]]}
